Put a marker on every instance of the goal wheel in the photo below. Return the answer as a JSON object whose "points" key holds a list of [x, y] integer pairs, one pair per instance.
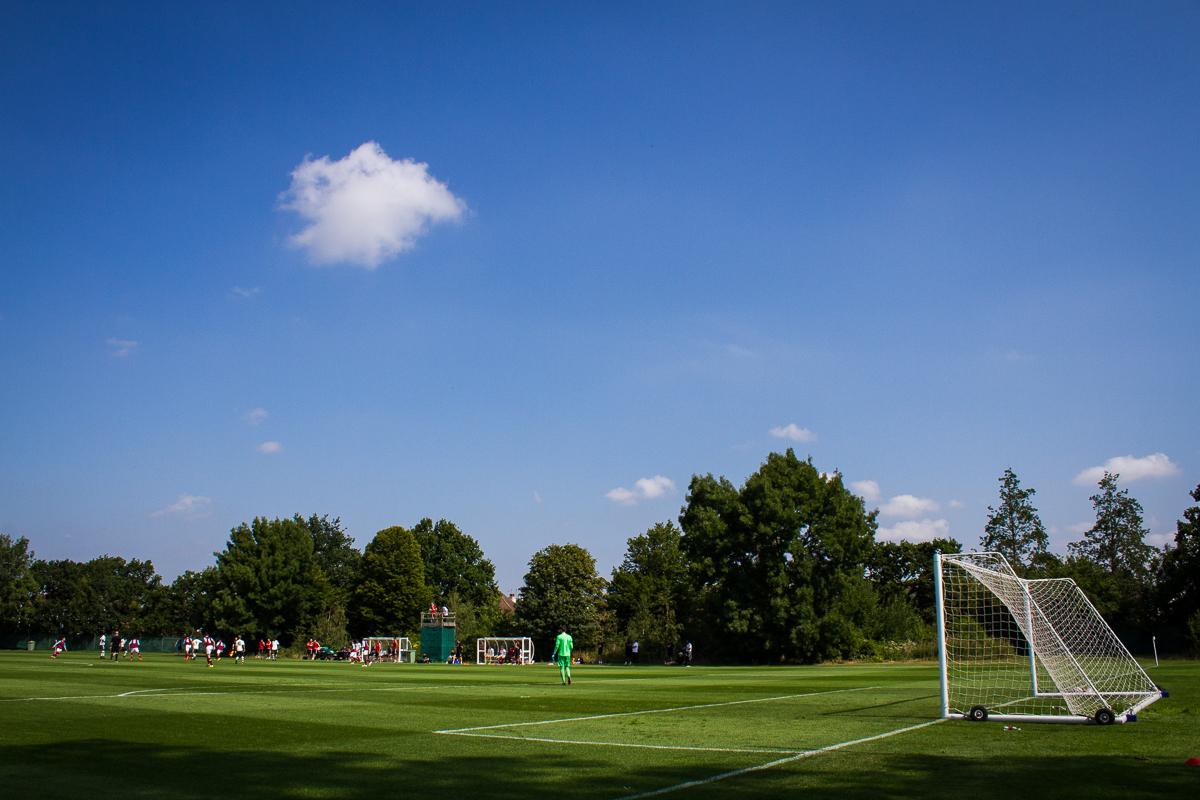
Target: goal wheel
{"points": [[1105, 717], [977, 714]]}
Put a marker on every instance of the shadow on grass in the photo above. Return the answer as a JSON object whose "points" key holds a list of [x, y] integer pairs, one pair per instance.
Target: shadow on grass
{"points": [[78, 768]]}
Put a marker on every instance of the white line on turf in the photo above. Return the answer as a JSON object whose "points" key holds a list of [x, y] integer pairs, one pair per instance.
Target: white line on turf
{"points": [[452, 731], [777, 762], [759, 750], [145, 694]]}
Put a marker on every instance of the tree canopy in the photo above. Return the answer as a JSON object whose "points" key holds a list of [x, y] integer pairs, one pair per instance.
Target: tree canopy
{"points": [[391, 592], [561, 589], [1014, 529]]}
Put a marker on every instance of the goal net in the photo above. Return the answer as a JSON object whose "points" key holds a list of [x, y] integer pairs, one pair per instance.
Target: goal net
{"points": [[1012, 648], [504, 650], [394, 649]]}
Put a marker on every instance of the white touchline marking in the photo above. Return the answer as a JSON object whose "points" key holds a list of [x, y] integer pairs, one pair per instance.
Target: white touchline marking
{"points": [[651, 711], [762, 750], [778, 762], [144, 694]]}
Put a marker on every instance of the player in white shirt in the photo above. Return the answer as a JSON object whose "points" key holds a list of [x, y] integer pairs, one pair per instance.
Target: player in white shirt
{"points": [[103, 642], [239, 649], [274, 649]]}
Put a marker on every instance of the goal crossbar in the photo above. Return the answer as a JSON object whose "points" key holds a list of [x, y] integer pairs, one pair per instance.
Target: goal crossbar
{"points": [[1012, 648]]}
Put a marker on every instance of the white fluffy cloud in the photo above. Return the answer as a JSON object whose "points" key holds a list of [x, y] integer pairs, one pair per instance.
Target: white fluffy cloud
{"points": [[365, 208], [256, 415], [120, 348], [913, 530], [794, 432], [907, 505], [270, 448], [643, 489], [188, 506], [1130, 468], [867, 490]]}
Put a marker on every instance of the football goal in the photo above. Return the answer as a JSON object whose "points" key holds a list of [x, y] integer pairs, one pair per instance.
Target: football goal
{"points": [[504, 650], [394, 649], [1033, 650]]}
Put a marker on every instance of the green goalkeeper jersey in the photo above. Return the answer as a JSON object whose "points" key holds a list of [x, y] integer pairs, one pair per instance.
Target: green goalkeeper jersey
{"points": [[563, 645]]}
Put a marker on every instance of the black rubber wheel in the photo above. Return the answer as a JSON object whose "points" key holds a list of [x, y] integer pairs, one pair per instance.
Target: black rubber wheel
{"points": [[1105, 717], [977, 714]]}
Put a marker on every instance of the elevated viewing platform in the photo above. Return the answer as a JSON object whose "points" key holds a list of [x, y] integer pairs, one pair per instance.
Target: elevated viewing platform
{"points": [[430, 619]]}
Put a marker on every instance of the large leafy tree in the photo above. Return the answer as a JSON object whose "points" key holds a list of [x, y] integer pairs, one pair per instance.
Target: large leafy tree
{"points": [[1117, 540], [779, 564], [18, 587], [268, 580], [334, 553], [391, 591], [561, 589], [85, 598], [648, 591], [1014, 528], [902, 572], [189, 601], [1179, 587], [455, 564]]}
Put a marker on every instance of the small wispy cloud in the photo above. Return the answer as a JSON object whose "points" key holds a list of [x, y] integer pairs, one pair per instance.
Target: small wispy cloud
{"points": [[365, 208], [867, 490], [120, 348], [907, 505], [1080, 528], [270, 448], [244, 292], [256, 415], [1130, 468], [793, 432], [956, 504], [1160, 539], [188, 506], [643, 489], [537, 497], [924, 530]]}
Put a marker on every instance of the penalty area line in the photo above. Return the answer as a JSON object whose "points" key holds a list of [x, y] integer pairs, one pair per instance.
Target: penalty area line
{"points": [[652, 711], [777, 762], [761, 751]]}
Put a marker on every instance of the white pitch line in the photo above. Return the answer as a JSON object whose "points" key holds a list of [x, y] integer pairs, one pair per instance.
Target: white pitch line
{"points": [[762, 751], [650, 711], [777, 762], [144, 694]]}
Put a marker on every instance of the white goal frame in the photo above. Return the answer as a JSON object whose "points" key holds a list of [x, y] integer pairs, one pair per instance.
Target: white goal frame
{"points": [[1017, 649], [392, 649], [494, 649]]}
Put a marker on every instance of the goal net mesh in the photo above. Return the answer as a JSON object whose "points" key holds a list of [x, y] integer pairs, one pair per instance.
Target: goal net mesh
{"points": [[1031, 647], [386, 648]]}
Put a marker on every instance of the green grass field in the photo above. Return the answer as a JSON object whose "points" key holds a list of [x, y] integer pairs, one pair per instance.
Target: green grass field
{"points": [[77, 726]]}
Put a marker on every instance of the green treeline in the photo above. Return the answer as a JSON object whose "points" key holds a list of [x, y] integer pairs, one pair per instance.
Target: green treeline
{"points": [[785, 567]]}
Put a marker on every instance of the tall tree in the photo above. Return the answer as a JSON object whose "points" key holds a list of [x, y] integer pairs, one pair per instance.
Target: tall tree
{"points": [[561, 589], [1117, 540], [18, 587], [1014, 529], [334, 552], [391, 590], [455, 564], [649, 587], [269, 581], [903, 572], [779, 564], [1179, 587]]}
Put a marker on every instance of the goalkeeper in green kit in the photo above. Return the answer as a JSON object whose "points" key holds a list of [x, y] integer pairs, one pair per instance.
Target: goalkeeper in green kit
{"points": [[563, 645]]}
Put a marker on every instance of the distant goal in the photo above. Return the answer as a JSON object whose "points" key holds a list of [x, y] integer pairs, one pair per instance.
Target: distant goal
{"points": [[393, 649], [504, 650], [1036, 650]]}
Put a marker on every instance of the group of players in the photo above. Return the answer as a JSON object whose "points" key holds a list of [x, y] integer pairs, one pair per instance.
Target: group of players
{"points": [[116, 645], [214, 649]]}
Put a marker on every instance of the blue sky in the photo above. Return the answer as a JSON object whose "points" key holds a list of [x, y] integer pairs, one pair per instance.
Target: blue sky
{"points": [[921, 243]]}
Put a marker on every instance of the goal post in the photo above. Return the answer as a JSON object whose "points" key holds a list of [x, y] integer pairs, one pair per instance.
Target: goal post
{"points": [[504, 650], [1011, 648], [393, 649]]}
